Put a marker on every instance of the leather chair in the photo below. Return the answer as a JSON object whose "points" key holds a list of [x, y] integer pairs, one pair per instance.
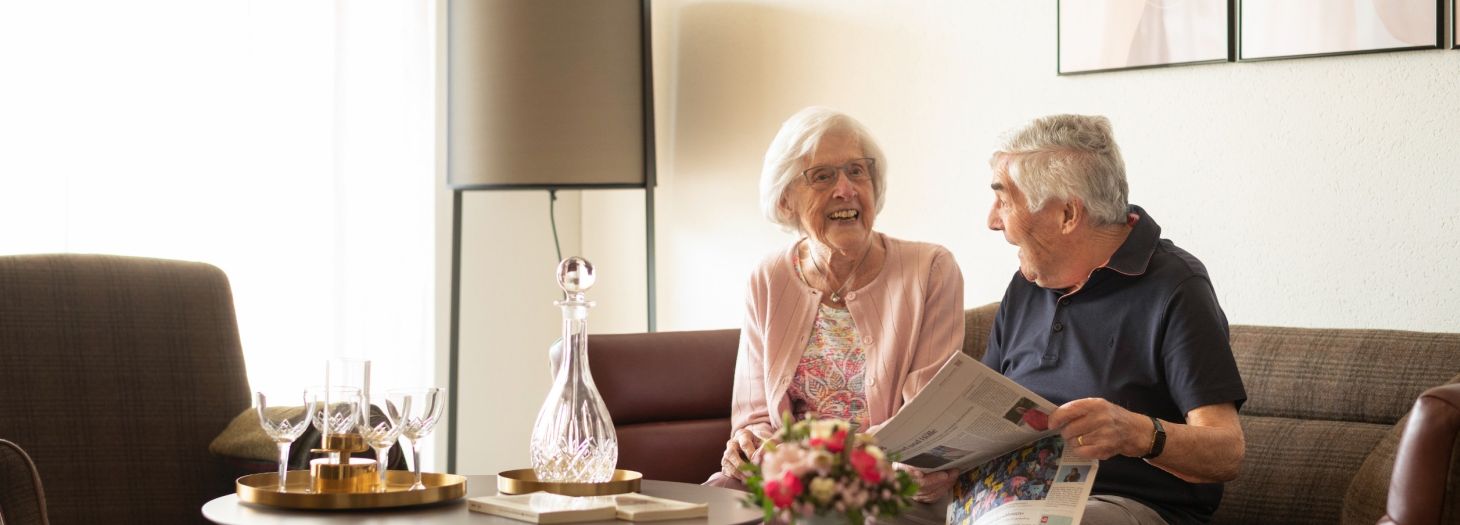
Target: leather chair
{"points": [[669, 396], [22, 499], [1422, 465]]}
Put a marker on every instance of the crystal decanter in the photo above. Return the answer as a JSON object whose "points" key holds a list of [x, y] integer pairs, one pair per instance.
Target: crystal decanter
{"points": [[573, 439]]}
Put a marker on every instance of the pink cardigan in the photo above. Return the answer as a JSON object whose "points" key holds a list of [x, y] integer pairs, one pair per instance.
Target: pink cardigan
{"points": [[910, 319]]}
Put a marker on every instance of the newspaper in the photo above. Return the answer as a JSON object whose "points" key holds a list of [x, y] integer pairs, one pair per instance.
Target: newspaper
{"points": [[975, 420], [1039, 484]]}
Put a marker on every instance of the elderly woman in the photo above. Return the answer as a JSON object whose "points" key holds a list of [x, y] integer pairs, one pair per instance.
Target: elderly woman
{"points": [[845, 322]]}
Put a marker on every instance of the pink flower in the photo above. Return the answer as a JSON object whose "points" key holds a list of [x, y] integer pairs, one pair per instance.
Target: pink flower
{"points": [[783, 492], [786, 458], [834, 443], [866, 466]]}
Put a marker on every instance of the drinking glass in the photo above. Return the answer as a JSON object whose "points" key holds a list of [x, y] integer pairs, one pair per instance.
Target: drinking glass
{"points": [[336, 410], [415, 411], [380, 435], [283, 422]]}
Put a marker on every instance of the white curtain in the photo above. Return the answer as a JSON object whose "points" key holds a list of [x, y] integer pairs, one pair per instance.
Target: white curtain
{"points": [[288, 142]]}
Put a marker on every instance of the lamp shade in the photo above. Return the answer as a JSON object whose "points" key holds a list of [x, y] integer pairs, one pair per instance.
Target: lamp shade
{"points": [[547, 94]]}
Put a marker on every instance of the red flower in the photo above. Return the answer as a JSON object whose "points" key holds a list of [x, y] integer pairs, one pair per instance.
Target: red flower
{"points": [[866, 466], [783, 491], [835, 444]]}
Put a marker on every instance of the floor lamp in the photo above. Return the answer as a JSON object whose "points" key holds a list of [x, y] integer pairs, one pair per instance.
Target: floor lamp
{"points": [[545, 95]]}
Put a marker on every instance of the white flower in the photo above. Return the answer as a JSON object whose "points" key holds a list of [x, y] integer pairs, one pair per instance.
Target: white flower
{"points": [[823, 489]]}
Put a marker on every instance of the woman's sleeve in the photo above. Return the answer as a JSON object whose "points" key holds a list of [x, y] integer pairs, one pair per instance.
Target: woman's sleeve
{"points": [[940, 334], [748, 405]]}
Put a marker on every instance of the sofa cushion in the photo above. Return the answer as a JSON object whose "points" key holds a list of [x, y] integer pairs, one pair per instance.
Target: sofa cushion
{"points": [[697, 446], [1310, 373], [1295, 471]]}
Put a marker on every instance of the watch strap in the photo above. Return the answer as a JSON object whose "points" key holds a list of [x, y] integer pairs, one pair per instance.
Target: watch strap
{"points": [[1158, 439]]}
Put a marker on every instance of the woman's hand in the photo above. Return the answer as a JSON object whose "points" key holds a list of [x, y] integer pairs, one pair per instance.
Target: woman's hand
{"points": [[745, 446], [932, 486]]}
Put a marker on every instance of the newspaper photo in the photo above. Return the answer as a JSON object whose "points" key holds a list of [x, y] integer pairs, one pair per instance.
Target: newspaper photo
{"points": [[1035, 485]]}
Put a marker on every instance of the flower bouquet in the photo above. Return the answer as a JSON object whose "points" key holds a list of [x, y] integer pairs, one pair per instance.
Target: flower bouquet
{"points": [[819, 467]]}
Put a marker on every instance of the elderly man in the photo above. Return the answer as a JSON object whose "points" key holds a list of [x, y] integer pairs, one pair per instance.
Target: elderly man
{"points": [[1117, 325]]}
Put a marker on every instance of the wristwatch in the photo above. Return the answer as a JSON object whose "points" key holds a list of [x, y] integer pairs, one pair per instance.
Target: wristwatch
{"points": [[1158, 439]]}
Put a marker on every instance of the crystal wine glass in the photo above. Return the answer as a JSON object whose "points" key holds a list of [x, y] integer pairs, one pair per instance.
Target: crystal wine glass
{"points": [[380, 435], [415, 411], [283, 422], [336, 410]]}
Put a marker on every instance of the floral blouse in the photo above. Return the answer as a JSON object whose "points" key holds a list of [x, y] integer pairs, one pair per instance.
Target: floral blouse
{"points": [[828, 380]]}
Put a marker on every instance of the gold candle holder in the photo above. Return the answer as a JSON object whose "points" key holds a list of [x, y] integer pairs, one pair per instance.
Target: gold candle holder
{"points": [[346, 443], [356, 475]]}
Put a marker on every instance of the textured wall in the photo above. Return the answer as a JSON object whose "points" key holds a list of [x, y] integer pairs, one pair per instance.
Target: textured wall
{"points": [[1318, 191]]}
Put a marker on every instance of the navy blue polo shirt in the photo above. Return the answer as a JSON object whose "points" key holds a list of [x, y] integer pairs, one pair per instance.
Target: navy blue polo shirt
{"points": [[1146, 333]]}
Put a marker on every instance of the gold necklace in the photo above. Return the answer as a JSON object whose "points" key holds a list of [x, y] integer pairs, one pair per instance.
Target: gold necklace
{"points": [[836, 296]]}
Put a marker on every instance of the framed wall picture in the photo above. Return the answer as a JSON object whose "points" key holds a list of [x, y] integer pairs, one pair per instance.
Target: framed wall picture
{"points": [[1269, 29], [1454, 24], [1108, 35]]}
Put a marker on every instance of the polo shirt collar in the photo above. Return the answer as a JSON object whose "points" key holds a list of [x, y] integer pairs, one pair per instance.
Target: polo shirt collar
{"points": [[1134, 255]]}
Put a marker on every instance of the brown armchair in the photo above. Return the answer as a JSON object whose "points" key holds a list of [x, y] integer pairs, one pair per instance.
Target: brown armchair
{"points": [[1424, 463], [115, 374]]}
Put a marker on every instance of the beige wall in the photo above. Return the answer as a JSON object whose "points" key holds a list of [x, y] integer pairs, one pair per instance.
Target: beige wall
{"points": [[1318, 191]]}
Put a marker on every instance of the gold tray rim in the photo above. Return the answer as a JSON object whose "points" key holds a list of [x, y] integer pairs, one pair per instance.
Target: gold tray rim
{"points": [[262, 489], [522, 481]]}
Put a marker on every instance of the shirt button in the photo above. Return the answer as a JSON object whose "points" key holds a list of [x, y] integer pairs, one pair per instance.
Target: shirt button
{"points": [[851, 296], [866, 339], [1064, 302], [1058, 326]]}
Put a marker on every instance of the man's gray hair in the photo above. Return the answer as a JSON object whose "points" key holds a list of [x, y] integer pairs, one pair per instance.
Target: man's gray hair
{"points": [[796, 142], [1067, 156]]}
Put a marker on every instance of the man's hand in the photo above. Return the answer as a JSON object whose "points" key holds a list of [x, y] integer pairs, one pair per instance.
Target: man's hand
{"points": [[1100, 429], [1207, 448], [745, 446], [932, 486]]}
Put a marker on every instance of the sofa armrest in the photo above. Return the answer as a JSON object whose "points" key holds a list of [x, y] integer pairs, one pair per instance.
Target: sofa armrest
{"points": [[1423, 461]]}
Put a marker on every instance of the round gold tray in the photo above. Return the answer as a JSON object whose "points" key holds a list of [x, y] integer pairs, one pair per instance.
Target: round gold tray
{"points": [[522, 481], [263, 489]]}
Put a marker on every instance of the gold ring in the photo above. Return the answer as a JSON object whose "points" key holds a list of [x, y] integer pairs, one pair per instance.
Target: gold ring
{"points": [[1080, 440]]}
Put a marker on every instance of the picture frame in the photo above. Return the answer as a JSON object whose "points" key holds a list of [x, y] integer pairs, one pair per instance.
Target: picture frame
{"points": [[1454, 24], [1280, 29], [1113, 35]]}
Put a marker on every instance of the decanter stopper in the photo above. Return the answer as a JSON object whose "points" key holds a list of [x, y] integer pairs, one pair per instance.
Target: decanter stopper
{"points": [[575, 276]]}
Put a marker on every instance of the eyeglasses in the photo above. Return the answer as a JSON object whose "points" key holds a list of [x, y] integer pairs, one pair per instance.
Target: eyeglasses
{"points": [[823, 177]]}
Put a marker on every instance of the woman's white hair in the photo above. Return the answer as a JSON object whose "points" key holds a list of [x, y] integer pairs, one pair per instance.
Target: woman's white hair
{"points": [[795, 143], [1067, 156]]}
